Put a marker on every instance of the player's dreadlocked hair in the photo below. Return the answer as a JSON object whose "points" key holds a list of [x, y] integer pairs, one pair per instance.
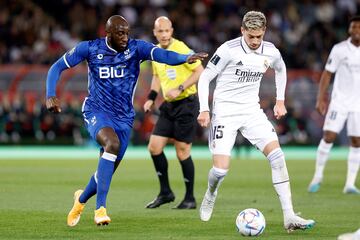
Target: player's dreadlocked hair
{"points": [[254, 20]]}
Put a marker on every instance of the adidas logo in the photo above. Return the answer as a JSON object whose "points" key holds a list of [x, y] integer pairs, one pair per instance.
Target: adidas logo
{"points": [[240, 63]]}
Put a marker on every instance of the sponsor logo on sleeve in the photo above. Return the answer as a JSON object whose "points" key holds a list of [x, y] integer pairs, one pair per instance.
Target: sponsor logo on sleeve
{"points": [[215, 59]]}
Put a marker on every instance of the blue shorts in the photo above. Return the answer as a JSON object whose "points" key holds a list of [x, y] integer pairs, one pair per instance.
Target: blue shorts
{"points": [[94, 121]]}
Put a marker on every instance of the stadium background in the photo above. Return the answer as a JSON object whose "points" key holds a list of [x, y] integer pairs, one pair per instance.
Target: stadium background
{"points": [[36, 191], [33, 34]]}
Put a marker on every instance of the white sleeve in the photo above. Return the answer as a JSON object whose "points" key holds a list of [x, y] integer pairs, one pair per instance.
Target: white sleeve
{"points": [[332, 63], [219, 60], [203, 88], [280, 77], [216, 64]]}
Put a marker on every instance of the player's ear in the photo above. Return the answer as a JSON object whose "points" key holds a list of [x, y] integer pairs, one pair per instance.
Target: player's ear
{"points": [[242, 29]]}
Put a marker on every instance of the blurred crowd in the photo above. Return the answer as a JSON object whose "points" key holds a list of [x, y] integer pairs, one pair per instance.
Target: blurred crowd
{"points": [[24, 119], [39, 31]]}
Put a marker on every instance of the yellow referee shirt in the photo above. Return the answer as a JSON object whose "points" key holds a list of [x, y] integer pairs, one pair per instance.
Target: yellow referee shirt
{"points": [[172, 76]]}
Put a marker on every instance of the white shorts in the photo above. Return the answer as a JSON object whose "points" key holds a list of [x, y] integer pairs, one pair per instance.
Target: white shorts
{"points": [[335, 120], [254, 127]]}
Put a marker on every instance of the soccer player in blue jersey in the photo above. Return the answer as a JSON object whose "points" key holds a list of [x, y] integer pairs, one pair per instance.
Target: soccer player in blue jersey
{"points": [[114, 65]]}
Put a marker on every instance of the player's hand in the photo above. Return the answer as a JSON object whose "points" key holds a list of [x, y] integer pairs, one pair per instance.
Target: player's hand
{"points": [[173, 93], [148, 105], [321, 106], [204, 119], [53, 105], [196, 56], [279, 109]]}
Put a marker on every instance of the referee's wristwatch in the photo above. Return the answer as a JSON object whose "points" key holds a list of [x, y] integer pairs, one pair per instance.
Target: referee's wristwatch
{"points": [[181, 88]]}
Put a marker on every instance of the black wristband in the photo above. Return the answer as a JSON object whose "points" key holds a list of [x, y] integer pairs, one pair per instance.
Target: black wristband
{"points": [[152, 95]]}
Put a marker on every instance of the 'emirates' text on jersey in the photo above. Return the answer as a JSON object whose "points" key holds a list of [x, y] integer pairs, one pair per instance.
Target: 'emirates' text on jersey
{"points": [[239, 72], [344, 60], [112, 75]]}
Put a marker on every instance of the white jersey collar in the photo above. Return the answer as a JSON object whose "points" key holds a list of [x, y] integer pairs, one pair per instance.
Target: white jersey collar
{"points": [[246, 48], [352, 46], [106, 42]]}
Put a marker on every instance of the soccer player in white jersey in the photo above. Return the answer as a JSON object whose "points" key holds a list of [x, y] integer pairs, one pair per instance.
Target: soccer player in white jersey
{"points": [[238, 66], [344, 60]]}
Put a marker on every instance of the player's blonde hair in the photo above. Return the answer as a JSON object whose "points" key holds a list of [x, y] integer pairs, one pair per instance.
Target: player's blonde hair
{"points": [[254, 20]]}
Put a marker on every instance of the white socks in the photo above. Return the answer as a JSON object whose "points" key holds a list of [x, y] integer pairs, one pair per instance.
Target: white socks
{"points": [[322, 155], [280, 179], [353, 166], [216, 176]]}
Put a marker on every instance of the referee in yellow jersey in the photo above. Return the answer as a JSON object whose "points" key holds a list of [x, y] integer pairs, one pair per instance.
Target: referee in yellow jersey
{"points": [[177, 118]]}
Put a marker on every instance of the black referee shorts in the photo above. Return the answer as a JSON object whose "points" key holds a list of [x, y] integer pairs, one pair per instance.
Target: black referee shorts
{"points": [[178, 119]]}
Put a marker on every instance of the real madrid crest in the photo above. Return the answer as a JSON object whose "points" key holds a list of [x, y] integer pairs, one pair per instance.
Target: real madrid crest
{"points": [[213, 144], [266, 64]]}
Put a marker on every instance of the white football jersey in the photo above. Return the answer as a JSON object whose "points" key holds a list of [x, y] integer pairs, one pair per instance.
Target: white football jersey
{"points": [[239, 72], [344, 61]]}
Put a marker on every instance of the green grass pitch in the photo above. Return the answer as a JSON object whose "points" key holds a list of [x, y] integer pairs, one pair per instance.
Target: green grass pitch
{"points": [[36, 196]]}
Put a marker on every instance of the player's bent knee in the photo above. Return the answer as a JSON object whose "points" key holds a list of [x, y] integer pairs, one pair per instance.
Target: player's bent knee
{"points": [[182, 153], [355, 142], [182, 156], [112, 146], [154, 149], [329, 137]]}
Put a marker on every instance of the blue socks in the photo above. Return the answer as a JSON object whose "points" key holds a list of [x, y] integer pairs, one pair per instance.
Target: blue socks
{"points": [[104, 174], [90, 190]]}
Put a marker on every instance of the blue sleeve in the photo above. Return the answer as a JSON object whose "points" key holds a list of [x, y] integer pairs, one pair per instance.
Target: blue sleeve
{"points": [[168, 57], [149, 51], [76, 55], [53, 76], [68, 60]]}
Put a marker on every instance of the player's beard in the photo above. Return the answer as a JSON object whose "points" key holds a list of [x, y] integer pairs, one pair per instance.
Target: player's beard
{"points": [[118, 46], [122, 47]]}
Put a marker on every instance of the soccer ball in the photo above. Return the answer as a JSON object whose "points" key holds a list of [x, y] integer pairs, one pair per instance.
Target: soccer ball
{"points": [[250, 222]]}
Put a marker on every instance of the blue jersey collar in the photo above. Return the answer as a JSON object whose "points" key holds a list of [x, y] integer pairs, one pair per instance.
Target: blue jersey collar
{"points": [[106, 42]]}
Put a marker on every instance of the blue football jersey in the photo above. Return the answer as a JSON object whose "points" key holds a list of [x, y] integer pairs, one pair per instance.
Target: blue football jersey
{"points": [[112, 75]]}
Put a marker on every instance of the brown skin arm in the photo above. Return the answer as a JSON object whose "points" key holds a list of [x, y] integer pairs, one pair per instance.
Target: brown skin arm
{"points": [[321, 102], [196, 56], [53, 105]]}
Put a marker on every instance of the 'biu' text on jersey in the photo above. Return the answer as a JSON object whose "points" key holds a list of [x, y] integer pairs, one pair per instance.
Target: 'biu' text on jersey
{"points": [[239, 72], [112, 75]]}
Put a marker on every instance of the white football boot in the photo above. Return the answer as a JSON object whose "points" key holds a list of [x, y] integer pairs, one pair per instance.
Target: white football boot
{"points": [[295, 222], [207, 205]]}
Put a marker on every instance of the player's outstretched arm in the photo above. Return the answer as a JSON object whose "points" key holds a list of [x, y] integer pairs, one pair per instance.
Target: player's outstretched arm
{"points": [[174, 58], [196, 56]]}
